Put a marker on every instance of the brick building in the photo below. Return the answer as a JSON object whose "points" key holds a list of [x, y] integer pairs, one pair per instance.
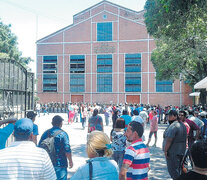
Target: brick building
{"points": [[104, 56]]}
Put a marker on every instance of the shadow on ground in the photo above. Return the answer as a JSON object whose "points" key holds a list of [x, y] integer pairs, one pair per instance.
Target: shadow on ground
{"points": [[79, 150], [158, 165]]}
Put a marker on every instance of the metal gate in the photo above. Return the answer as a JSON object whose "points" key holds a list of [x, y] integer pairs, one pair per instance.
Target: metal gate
{"points": [[16, 89]]}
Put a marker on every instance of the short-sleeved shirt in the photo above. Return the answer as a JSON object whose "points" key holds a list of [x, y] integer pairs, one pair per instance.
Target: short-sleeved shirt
{"points": [[127, 120], [193, 127], [4, 134], [23, 160], [118, 140], [154, 124], [137, 156], [96, 121], [35, 130], [177, 131], [62, 146], [150, 115]]}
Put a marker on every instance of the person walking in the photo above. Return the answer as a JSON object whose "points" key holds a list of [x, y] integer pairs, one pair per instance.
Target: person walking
{"points": [[22, 159], [95, 122], [84, 114], [31, 115], [62, 148], [174, 144], [153, 128]]}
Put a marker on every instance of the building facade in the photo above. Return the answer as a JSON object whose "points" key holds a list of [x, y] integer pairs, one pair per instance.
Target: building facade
{"points": [[104, 56]]}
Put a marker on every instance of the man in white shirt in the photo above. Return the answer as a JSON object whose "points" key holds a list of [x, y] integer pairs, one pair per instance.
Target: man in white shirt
{"points": [[22, 159]]}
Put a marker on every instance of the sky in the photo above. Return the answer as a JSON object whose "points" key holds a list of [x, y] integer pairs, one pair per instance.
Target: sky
{"points": [[34, 19]]}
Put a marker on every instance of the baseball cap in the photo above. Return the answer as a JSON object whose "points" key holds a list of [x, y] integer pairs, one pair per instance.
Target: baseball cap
{"points": [[23, 128], [31, 114]]}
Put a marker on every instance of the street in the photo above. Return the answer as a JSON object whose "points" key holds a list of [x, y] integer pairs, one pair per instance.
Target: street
{"points": [[78, 137]]}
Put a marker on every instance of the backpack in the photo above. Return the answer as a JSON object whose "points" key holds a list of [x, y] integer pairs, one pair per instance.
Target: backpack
{"points": [[203, 134], [48, 144], [95, 126]]}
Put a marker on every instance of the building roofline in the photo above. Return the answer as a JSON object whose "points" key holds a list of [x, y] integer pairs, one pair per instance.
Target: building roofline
{"points": [[103, 1], [106, 2]]}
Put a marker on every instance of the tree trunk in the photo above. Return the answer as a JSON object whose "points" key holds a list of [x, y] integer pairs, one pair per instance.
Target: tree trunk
{"points": [[203, 96]]}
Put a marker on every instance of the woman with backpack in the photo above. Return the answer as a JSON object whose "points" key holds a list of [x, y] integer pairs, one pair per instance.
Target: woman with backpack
{"points": [[95, 122]]}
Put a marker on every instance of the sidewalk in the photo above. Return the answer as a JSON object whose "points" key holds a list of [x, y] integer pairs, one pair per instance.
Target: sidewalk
{"points": [[78, 145]]}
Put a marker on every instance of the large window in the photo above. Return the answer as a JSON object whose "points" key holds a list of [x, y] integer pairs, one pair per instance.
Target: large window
{"points": [[77, 76], [104, 70], [133, 72], [163, 86], [50, 74], [104, 31]]}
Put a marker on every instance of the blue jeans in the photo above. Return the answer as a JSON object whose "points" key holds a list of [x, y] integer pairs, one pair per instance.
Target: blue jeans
{"points": [[118, 156], [61, 173], [107, 120]]}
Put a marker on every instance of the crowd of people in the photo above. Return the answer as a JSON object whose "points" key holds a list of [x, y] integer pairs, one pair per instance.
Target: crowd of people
{"points": [[123, 155]]}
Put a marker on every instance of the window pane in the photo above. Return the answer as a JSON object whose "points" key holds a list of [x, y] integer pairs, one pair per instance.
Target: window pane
{"points": [[163, 86], [77, 82], [104, 31]]}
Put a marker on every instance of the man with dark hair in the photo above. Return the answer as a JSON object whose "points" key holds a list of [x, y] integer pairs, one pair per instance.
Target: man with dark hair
{"points": [[126, 118], [137, 156], [199, 158], [62, 148], [22, 159], [174, 144], [193, 127], [31, 115]]}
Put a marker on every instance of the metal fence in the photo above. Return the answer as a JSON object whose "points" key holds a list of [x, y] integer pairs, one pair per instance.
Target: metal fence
{"points": [[16, 89]]}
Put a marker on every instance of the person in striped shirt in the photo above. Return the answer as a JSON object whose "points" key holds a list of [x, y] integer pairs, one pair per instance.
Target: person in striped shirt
{"points": [[136, 158], [23, 160]]}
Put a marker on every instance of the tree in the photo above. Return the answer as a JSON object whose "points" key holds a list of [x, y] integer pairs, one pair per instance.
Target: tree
{"points": [[8, 46], [179, 28]]}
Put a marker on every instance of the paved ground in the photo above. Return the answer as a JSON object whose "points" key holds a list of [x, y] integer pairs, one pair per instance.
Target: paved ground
{"points": [[78, 145]]}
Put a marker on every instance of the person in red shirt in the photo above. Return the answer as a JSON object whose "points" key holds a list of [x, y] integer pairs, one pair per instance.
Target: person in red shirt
{"points": [[153, 127]]}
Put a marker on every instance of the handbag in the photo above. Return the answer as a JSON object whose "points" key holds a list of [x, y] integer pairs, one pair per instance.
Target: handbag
{"points": [[92, 128]]}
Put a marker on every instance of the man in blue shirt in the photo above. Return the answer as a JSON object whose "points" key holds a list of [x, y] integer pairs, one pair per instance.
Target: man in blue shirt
{"points": [[31, 115], [62, 148], [6, 131]]}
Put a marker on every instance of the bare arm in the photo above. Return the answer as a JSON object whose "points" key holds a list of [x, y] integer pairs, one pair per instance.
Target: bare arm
{"points": [[34, 139], [167, 146], [123, 171], [12, 120], [69, 157]]}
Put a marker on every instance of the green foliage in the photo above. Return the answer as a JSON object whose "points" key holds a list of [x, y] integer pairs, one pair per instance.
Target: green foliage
{"points": [[8, 46], [179, 27]]}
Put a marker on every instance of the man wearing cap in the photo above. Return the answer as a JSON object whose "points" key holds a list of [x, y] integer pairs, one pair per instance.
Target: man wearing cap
{"points": [[31, 115], [6, 131], [62, 148], [22, 159]]}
